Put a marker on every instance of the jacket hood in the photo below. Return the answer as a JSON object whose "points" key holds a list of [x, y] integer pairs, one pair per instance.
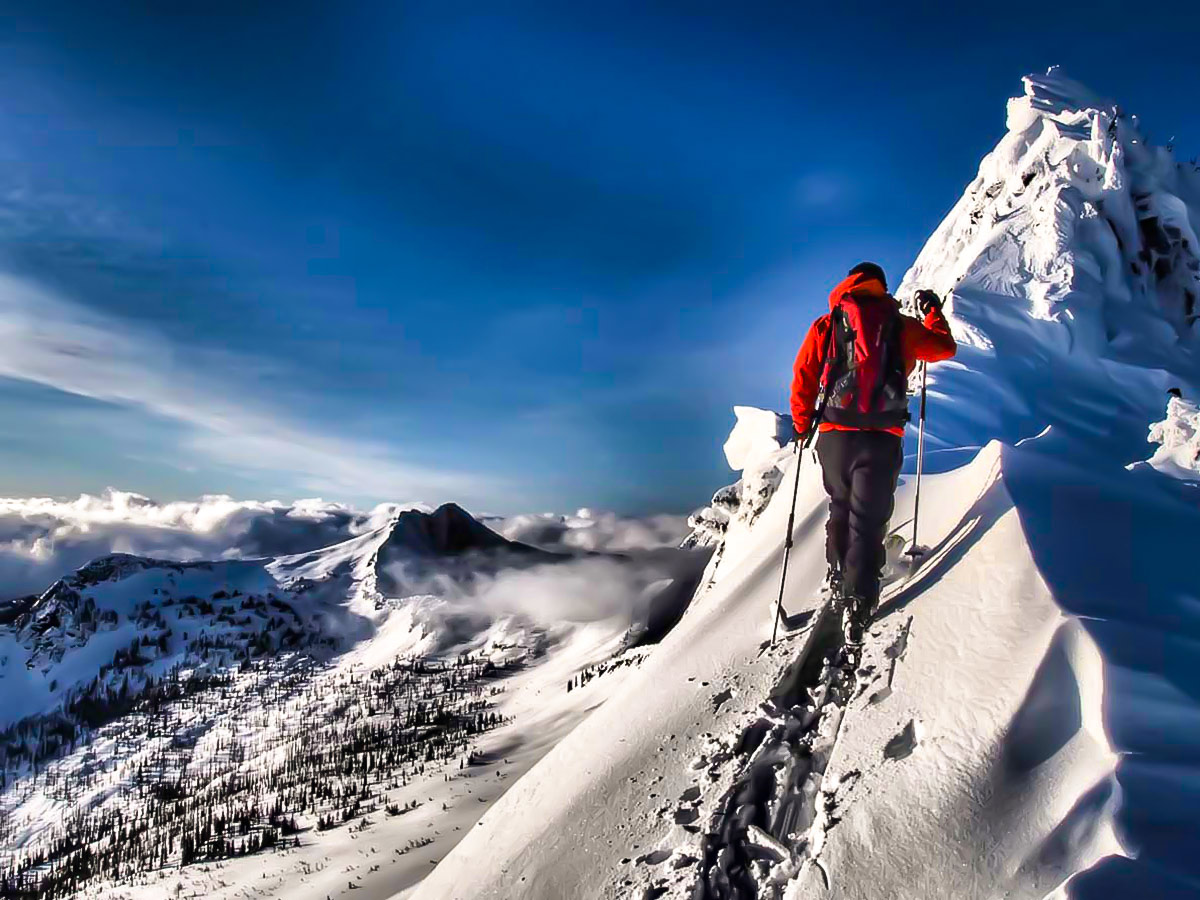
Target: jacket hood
{"points": [[857, 284]]}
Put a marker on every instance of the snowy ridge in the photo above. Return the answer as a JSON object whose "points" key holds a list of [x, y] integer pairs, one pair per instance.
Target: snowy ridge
{"points": [[1073, 259], [1029, 729], [706, 773]]}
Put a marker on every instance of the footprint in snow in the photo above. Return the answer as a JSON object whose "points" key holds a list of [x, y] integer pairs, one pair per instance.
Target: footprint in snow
{"points": [[719, 700], [656, 858], [903, 744]]}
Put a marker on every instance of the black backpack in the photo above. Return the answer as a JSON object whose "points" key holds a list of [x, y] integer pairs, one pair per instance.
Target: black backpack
{"points": [[865, 383]]}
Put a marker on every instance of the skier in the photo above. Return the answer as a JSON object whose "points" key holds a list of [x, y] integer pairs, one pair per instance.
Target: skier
{"points": [[851, 382]]}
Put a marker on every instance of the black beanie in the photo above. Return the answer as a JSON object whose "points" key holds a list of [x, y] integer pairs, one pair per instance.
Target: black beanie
{"points": [[871, 270]]}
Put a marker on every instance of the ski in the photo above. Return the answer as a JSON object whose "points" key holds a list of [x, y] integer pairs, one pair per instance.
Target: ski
{"points": [[896, 653]]}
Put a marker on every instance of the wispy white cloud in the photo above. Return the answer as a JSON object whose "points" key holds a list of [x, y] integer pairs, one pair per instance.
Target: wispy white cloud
{"points": [[54, 341], [594, 530], [42, 538]]}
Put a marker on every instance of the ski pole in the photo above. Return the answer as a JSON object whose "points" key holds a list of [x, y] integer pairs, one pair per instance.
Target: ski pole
{"points": [[920, 457], [787, 545]]}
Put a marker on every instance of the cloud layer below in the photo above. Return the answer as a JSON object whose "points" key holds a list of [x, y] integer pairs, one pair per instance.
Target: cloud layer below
{"points": [[41, 539]]}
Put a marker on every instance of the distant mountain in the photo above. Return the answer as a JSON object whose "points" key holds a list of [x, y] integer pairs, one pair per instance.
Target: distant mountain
{"points": [[450, 531], [130, 619], [448, 542]]}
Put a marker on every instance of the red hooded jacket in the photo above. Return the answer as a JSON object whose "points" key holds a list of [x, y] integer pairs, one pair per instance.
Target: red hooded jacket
{"points": [[930, 341]]}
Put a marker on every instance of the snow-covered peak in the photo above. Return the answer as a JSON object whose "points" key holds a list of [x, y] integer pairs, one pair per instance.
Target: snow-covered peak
{"points": [[412, 553], [1071, 259], [1055, 95], [1072, 219]]}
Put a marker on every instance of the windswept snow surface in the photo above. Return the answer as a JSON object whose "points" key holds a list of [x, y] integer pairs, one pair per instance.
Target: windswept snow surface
{"points": [[1029, 726]]}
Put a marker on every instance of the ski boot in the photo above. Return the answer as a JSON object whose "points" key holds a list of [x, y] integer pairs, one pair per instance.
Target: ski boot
{"points": [[856, 613]]}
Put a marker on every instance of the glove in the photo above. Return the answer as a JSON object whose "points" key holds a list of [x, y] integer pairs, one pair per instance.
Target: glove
{"points": [[927, 300]]}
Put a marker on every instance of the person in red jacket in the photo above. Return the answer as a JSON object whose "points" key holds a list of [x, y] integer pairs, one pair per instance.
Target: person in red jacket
{"points": [[851, 378]]}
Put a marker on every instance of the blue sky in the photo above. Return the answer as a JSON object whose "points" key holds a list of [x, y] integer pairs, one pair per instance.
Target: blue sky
{"points": [[525, 256]]}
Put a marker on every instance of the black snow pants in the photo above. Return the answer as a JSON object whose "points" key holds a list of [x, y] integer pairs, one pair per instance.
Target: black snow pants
{"points": [[860, 470]]}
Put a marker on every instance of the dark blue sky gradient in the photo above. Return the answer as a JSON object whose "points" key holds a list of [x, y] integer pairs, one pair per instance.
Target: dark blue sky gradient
{"points": [[548, 244]]}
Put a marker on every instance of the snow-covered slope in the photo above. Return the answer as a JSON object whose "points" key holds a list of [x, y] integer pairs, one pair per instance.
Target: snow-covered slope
{"points": [[1030, 729], [161, 714]]}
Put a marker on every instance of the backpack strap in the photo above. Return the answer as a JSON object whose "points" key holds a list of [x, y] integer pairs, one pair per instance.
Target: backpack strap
{"points": [[835, 315], [837, 323], [889, 354]]}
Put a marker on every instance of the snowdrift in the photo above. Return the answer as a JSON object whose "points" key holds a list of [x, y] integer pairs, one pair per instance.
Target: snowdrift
{"points": [[1178, 437], [1032, 727]]}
